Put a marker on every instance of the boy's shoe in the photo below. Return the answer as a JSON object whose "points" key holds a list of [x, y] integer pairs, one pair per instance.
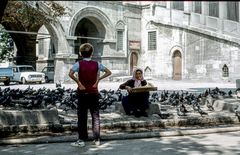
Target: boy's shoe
{"points": [[79, 143], [97, 142]]}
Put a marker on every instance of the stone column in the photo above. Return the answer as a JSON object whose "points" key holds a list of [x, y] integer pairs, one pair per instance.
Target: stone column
{"points": [[205, 12], [187, 6], [63, 64], [222, 15], [168, 6], [238, 11], [222, 10], [205, 8], [71, 43], [187, 12], [64, 58]]}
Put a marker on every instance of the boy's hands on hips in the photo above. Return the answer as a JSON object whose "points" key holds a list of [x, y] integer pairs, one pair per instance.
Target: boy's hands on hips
{"points": [[81, 87]]}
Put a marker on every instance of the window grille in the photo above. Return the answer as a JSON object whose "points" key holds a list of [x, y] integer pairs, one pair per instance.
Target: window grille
{"points": [[119, 40], [233, 11], [214, 9], [178, 5], [152, 40], [197, 7]]}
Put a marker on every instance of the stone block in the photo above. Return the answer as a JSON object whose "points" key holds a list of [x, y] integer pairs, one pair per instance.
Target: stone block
{"points": [[28, 117], [229, 105], [154, 108], [119, 107], [238, 83]]}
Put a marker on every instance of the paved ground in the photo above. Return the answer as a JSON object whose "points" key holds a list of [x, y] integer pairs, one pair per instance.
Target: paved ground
{"points": [[207, 144], [161, 84]]}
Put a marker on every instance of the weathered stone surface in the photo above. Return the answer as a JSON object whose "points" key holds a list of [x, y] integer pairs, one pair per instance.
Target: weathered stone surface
{"points": [[154, 108], [116, 121], [28, 117], [238, 83], [227, 104]]}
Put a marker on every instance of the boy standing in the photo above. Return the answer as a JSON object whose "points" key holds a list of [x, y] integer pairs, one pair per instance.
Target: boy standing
{"points": [[87, 81]]}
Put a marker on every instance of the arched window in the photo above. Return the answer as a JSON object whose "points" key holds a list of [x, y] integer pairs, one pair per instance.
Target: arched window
{"points": [[148, 72], [225, 72]]}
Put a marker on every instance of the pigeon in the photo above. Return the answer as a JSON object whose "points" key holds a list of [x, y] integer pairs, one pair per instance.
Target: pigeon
{"points": [[58, 85], [210, 106], [230, 93], [237, 111]]}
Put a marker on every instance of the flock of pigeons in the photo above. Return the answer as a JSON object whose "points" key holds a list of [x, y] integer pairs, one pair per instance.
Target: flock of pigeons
{"points": [[45, 98], [182, 101], [185, 102]]}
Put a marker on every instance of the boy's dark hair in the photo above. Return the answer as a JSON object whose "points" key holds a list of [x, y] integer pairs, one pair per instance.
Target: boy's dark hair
{"points": [[86, 50]]}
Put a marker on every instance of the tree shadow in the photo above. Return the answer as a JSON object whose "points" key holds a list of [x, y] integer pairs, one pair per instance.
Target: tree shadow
{"points": [[181, 145]]}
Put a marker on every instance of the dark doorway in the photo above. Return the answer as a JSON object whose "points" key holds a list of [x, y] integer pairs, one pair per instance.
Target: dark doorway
{"points": [[92, 28]]}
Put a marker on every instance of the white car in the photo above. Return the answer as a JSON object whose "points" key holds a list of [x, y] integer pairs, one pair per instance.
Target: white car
{"points": [[27, 74]]}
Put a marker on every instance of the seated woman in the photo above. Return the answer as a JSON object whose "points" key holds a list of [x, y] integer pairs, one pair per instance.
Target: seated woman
{"points": [[135, 103]]}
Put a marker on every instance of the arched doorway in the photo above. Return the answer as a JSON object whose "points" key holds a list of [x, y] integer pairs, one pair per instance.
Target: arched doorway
{"points": [[133, 61], [92, 29], [177, 65]]}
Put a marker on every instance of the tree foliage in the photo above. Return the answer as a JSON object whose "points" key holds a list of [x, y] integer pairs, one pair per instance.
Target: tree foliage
{"points": [[6, 46], [29, 15]]}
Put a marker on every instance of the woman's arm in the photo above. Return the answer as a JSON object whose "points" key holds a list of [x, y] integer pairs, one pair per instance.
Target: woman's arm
{"points": [[126, 85]]}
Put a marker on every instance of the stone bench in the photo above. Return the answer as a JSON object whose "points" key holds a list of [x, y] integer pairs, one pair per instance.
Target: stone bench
{"points": [[154, 108], [13, 122], [237, 83], [28, 117], [227, 104]]}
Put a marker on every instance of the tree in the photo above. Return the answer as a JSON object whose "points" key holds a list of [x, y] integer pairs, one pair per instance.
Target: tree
{"points": [[29, 16], [6, 46]]}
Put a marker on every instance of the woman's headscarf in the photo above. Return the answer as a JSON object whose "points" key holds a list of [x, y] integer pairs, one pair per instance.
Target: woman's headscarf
{"points": [[137, 82]]}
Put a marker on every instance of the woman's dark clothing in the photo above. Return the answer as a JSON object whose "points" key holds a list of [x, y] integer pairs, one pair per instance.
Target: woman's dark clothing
{"points": [[135, 103]]}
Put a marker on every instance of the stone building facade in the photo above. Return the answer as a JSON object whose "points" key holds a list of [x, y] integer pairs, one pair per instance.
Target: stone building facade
{"points": [[179, 40]]}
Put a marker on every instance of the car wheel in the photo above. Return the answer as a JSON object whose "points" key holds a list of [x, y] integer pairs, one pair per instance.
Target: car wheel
{"points": [[46, 79], [7, 82], [23, 80]]}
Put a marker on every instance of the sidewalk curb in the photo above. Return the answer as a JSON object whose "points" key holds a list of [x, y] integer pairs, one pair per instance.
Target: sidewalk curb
{"points": [[120, 135]]}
